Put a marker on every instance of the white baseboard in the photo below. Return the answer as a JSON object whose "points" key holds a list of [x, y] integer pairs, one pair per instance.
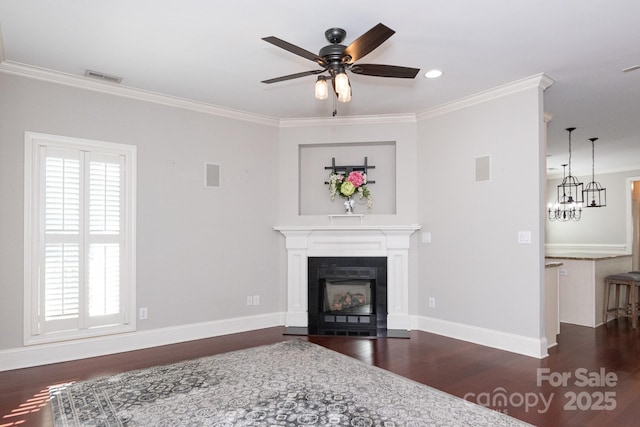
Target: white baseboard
{"points": [[488, 337], [44, 354]]}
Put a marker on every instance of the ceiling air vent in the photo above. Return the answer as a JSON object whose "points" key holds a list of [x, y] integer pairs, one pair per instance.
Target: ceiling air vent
{"points": [[102, 76]]}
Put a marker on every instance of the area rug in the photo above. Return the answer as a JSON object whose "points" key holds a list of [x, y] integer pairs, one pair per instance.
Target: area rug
{"points": [[291, 383]]}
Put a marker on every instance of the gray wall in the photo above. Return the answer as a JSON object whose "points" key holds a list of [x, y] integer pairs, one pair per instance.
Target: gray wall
{"points": [[474, 266], [314, 193], [479, 274], [200, 251], [320, 132], [343, 134]]}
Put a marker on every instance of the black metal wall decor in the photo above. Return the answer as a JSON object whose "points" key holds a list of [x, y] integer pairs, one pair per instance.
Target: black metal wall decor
{"points": [[346, 169]]}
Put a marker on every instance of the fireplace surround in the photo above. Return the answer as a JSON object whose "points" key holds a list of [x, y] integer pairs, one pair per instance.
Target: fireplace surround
{"points": [[389, 241]]}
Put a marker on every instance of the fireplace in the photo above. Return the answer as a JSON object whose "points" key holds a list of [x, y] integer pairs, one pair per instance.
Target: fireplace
{"points": [[347, 296], [390, 242]]}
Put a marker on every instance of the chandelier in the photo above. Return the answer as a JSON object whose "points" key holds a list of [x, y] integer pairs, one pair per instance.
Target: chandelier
{"points": [[564, 211], [594, 193], [570, 195]]}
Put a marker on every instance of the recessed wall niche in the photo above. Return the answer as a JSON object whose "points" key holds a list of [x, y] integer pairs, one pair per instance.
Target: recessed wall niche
{"points": [[312, 175]]}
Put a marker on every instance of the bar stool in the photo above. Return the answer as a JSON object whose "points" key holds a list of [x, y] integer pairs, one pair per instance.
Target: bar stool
{"points": [[630, 281]]}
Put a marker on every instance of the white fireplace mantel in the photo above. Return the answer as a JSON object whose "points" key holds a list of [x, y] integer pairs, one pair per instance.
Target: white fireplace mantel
{"points": [[391, 241]]}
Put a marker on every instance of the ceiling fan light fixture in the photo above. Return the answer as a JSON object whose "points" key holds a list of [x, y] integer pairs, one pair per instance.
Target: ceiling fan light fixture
{"points": [[342, 85], [345, 95], [322, 88]]}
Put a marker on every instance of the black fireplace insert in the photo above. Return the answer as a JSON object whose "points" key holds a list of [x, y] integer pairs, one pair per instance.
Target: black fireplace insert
{"points": [[348, 296]]}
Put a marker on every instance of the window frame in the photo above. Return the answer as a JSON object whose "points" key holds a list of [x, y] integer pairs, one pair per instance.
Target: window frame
{"points": [[34, 333]]}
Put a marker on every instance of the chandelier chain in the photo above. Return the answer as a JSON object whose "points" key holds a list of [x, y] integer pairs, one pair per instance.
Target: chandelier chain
{"points": [[593, 161], [570, 151]]}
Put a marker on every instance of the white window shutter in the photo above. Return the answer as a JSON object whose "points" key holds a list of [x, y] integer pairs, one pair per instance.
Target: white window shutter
{"points": [[62, 275], [80, 261], [62, 192], [105, 195], [104, 207]]}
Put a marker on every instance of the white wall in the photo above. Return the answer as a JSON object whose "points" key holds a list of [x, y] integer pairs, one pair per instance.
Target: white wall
{"points": [[484, 282], [200, 251]]}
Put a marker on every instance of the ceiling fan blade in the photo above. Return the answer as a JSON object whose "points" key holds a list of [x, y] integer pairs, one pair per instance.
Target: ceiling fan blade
{"points": [[294, 49], [293, 76], [367, 42], [379, 70]]}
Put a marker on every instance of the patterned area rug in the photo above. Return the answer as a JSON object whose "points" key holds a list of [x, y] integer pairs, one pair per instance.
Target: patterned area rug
{"points": [[286, 384]]}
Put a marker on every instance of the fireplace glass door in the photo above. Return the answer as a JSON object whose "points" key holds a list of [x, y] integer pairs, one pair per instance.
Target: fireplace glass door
{"points": [[343, 296]]}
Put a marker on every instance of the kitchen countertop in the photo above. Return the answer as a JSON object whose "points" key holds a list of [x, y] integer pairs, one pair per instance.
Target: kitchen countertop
{"points": [[552, 264], [585, 256]]}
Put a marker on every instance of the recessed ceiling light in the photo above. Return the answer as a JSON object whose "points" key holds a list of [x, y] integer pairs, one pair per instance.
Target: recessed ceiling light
{"points": [[433, 74]]}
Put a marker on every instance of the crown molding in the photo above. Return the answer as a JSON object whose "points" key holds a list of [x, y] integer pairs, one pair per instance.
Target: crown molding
{"points": [[15, 68], [541, 80], [350, 120], [586, 173], [10, 67]]}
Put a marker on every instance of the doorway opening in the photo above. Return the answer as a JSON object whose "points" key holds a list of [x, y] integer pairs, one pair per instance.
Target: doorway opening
{"points": [[633, 224]]}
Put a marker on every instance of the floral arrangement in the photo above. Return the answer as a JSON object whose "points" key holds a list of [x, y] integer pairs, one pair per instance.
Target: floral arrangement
{"points": [[355, 182]]}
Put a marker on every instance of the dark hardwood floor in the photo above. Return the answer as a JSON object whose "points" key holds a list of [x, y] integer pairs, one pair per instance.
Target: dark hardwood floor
{"points": [[589, 359]]}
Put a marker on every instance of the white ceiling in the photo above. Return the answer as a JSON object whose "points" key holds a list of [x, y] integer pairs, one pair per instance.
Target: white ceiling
{"points": [[211, 51]]}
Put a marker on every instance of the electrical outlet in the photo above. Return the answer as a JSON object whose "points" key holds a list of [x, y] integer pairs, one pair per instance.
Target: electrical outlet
{"points": [[524, 237], [249, 300], [432, 302], [256, 300], [143, 315]]}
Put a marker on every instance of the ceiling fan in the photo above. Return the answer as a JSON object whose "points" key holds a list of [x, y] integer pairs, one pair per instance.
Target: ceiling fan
{"points": [[336, 59]]}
